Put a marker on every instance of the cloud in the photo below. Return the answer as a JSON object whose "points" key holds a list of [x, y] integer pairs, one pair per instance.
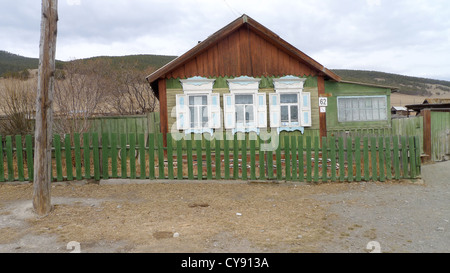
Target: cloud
{"points": [[401, 35], [73, 2], [373, 3]]}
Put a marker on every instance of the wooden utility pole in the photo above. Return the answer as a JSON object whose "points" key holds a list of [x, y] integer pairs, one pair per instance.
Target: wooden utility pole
{"points": [[44, 112]]}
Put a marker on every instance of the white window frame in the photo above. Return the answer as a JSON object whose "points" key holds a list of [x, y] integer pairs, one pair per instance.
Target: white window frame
{"points": [[290, 85], [245, 86], [356, 109], [289, 105], [198, 86]]}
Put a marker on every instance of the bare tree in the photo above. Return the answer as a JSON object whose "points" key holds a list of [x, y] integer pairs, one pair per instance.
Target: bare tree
{"points": [[129, 92], [17, 106], [79, 95]]}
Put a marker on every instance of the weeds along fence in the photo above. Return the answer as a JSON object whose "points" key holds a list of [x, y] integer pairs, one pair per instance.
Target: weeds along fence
{"points": [[142, 156]]}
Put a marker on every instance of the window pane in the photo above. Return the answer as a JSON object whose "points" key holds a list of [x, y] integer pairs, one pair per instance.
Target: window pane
{"points": [[205, 116], [383, 114], [294, 113], [284, 114], [249, 116], [289, 98], [375, 103], [355, 114], [198, 100], [193, 116], [376, 115], [244, 99], [239, 113], [369, 114], [348, 114]]}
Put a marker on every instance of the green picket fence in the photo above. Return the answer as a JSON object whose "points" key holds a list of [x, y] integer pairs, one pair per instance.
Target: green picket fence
{"points": [[143, 156]]}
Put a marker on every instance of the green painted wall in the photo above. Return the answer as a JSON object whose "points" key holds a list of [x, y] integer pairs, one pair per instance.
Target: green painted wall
{"points": [[266, 86], [336, 89]]}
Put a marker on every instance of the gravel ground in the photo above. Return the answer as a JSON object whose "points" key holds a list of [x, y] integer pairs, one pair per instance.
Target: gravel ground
{"points": [[402, 218], [234, 217]]}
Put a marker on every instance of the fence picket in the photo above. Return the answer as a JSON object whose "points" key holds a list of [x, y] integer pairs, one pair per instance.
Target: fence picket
{"points": [[114, 155], [86, 153], [76, 141], [252, 159], [294, 158], [161, 174], [316, 159], [142, 168], [169, 156], [350, 159], [2, 168], [244, 158], [358, 159], [396, 157], [301, 167], [404, 157], [333, 166], [235, 158], [190, 159], [198, 146], [58, 159], [96, 155], [308, 159], [412, 158], [278, 160], [19, 155], [366, 158], [262, 159], [132, 153], [9, 158], [324, 160], [208, 159], [287, 158], [226, 158], [382, 158], [373, 157], [388, 158], [341, 159], [105, 155], [179, 159], [30, 164], [217, 157], [269, 155], [151, 155], [68, 154]]}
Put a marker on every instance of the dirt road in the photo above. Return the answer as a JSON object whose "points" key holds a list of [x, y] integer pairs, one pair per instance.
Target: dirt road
{"points": [[405, 218]]}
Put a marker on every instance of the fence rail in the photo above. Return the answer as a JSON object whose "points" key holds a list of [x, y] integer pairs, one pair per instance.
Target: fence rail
{"points": [[142, 156]]}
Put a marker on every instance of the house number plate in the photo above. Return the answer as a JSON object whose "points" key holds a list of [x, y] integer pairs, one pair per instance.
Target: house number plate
{"points": [[323, 102]]}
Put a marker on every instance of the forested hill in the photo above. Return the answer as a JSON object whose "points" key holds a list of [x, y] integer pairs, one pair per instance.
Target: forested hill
{"points": [[406, 84], [10, 62]]}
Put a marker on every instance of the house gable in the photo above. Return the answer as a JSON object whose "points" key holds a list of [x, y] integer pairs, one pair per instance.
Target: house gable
{"points": [[244, 47]]}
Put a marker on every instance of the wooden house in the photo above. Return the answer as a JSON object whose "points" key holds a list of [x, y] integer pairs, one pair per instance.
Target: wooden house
{"points": [[245, 78]]}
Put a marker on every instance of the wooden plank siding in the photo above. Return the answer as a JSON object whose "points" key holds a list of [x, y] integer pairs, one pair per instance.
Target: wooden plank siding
{"points": [[242, 53], [440, 135]]}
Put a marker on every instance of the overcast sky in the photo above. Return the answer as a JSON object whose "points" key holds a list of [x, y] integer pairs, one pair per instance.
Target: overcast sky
{"points": [[409, 37]]}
